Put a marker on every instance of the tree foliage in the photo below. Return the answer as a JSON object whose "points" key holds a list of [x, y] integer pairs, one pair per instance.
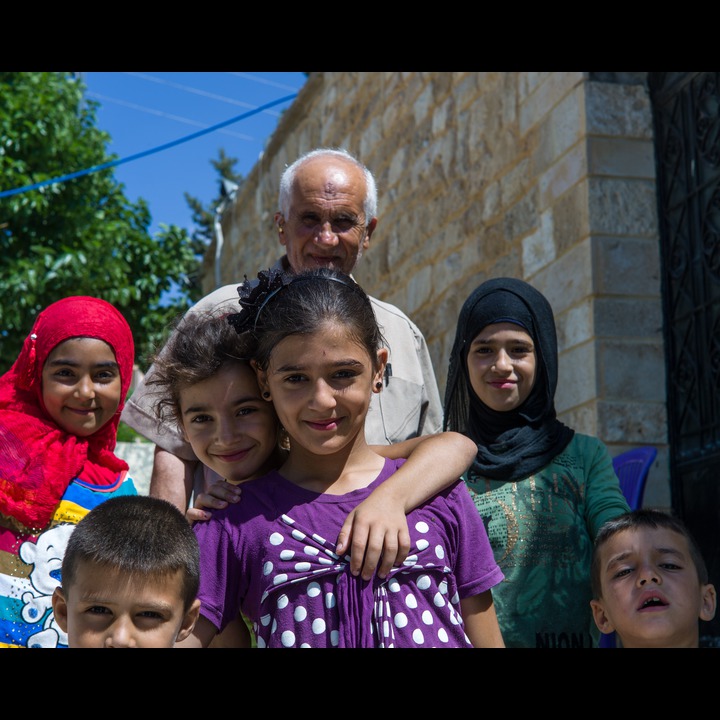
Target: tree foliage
{"points": [[204, 216], [81, 236]]}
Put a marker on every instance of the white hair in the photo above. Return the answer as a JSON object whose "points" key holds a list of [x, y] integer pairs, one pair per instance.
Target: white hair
{"points": [[288, 177]]}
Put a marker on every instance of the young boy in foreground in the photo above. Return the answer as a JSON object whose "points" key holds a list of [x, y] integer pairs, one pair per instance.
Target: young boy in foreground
{"points": [[130, 576], [650, 583]]}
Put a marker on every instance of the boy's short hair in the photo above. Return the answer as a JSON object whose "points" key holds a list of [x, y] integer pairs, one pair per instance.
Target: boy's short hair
{"points": [[139, 535], [644, 518]]}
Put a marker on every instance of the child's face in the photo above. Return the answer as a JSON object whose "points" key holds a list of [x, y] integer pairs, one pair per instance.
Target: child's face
{"points": [[321, 385], [651, 595], [81, 385], [108, 609], [502, 366], [230, 427]]}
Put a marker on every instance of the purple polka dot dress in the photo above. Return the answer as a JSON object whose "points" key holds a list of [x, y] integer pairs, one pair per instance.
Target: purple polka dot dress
{"points": [[272, 555]]}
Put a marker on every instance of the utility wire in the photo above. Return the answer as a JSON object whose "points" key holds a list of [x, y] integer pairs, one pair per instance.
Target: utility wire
{"points": [[145, 153], [165, 115], [194, 91], [264, 81]]}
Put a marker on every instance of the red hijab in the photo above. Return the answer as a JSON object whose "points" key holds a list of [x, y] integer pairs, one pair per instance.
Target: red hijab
{"points": [[38, 459]]}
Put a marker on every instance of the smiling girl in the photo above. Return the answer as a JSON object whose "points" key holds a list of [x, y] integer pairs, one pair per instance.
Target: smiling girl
{"points": [[542, 489], [318, 355], [60, 407]]}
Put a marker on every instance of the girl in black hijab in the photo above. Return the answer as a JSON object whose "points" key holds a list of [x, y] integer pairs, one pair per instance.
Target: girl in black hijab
{"points": [[542, 489]]}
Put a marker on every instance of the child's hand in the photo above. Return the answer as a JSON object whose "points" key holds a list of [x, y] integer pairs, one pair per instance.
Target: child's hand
{"points": [[377, 536], [218, 496]]}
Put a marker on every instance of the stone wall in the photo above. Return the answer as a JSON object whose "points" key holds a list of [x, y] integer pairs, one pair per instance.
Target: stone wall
{"points": [[544, 176]]}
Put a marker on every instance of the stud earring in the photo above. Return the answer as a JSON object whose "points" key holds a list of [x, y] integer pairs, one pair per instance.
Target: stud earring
{"points": [[280, 229], [378, 385], [266, 395]]}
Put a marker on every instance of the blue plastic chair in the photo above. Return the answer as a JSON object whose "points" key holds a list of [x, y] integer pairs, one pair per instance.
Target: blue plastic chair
{"points": [[632, 468]]}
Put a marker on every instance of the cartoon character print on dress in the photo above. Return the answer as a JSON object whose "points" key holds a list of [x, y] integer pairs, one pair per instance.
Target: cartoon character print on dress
{"points": [[30, 566], [27, 617], [45, 556]]}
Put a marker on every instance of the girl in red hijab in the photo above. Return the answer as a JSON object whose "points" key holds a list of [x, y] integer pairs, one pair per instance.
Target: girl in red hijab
{"points": [[60, 407]]}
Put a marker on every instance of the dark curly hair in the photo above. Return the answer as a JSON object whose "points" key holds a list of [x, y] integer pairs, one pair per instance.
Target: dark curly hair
{"points": [[202, 344]]}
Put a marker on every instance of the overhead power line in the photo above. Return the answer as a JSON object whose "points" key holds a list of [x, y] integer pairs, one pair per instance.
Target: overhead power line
{"points": [[145, 153], [164, 115], [194, 91]]}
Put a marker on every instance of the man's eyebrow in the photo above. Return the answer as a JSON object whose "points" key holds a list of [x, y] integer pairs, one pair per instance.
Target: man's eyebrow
{"points": [[336, 215]]}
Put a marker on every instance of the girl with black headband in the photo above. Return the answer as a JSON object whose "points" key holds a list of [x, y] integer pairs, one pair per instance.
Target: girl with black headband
{"points": [[542, 489], [319, 355]]}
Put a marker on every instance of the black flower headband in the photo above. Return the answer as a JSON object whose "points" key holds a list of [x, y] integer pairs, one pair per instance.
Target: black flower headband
{"points": [[254, 297]]}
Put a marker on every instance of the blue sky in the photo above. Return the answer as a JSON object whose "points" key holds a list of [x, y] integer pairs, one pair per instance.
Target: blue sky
{"points": [[146, 110]]}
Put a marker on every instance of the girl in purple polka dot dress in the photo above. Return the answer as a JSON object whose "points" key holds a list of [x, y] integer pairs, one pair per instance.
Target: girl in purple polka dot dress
{"points": [[319, 355]]}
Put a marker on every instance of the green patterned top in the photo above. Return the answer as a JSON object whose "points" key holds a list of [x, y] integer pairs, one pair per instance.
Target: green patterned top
{"points": [[541, 530]]}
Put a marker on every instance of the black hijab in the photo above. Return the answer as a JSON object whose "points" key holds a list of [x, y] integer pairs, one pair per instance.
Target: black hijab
{"points": [[514, 444]]}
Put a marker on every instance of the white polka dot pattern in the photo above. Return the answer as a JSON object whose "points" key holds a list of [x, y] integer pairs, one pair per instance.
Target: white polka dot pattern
{"points": [[310, 598]]}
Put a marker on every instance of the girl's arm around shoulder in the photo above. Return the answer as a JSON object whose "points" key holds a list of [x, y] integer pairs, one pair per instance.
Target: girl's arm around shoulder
{"points": [[376, 530]]}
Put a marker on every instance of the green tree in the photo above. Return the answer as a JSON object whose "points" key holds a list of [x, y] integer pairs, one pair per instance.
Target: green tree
{"points": [[81, 236], [204, 216]]}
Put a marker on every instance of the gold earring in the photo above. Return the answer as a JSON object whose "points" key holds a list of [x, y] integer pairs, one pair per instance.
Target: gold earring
{"points": [[280, 229]]}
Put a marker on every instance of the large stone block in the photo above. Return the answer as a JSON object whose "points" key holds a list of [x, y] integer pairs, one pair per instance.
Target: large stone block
{"points": [[538, 248], [627, 265], [622, 207], [631, 370], [560, 130], [521, 218], [571, 218], [582, 419], [618, 110], [629, 317], [576, 325], [637, 423], [546, 94], [621, 157], [577, 375], [567, 172], [569, 280]]}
